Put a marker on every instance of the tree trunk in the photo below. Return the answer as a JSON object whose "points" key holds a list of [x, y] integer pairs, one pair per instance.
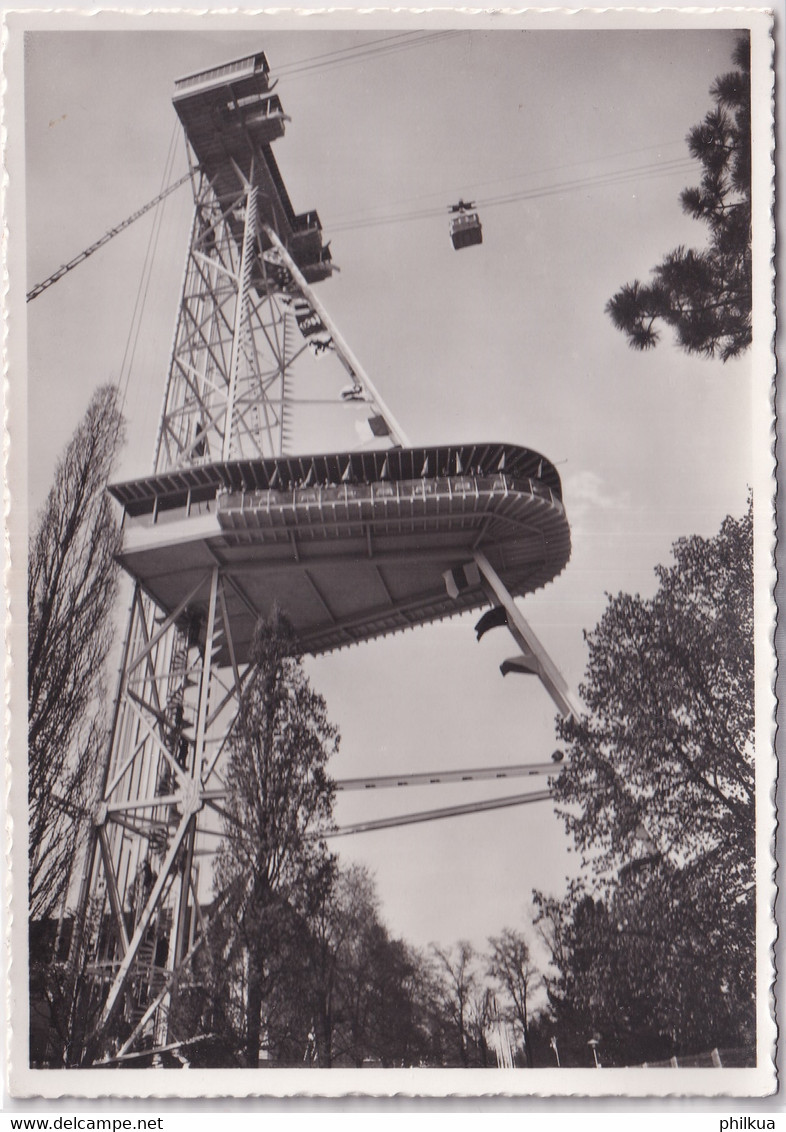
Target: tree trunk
{"points": [[527, 1047], [253, 1014], [324, 1035]]}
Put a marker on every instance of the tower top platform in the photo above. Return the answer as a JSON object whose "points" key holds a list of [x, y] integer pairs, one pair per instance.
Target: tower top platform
{"points": [[231, 117], [351, 545]]}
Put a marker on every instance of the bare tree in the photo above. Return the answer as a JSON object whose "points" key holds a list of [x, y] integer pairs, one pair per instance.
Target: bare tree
{"points": [[71, 588], [482, 1011], [510, 965], [460, 987]]}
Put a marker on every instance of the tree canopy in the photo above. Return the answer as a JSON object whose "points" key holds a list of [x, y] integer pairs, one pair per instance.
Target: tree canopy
{"points": [[71, 587], [663, 756], [705, 294], [272, 860], [657, 790]]}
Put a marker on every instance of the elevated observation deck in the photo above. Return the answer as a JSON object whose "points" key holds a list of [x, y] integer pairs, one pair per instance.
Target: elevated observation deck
{"points": [[231, 117], [352, 545]]}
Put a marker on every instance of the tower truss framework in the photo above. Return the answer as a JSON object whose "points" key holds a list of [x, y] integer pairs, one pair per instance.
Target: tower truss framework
{"points": [[247, 314], [358, 544]]}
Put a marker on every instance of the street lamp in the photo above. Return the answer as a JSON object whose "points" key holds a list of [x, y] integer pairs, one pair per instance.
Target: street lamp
{"points": [[593, 1042]]}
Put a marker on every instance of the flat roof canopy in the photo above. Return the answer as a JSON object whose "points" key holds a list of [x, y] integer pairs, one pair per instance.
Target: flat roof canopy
{"points": [[171, 488], [351, 545]]}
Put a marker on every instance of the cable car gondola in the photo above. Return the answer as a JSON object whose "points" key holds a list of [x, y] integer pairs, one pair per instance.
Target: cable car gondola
{"points": [[465, 226]]}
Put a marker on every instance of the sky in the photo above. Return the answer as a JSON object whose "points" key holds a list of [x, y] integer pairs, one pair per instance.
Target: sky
{"points": [[507, 341]]}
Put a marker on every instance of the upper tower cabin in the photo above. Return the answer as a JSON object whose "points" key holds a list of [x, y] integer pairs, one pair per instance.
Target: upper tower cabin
{"points": [[231, 117]]}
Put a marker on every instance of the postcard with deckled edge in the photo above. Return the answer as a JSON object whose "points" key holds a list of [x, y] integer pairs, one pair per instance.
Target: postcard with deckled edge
{"points": [[390, 463]]}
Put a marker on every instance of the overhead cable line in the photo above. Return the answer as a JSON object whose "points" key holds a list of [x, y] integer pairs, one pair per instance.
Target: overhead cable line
{"points": [[357, 53], [364, 51], [599, 180], [145, 277], [477, 185], [613, 177]]}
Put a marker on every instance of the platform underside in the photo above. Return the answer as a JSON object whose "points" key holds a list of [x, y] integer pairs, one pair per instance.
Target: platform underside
{"points": [[349, 561]]}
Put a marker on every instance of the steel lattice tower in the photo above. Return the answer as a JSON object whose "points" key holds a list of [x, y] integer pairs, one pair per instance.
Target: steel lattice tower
{"points": [[353, 545]]}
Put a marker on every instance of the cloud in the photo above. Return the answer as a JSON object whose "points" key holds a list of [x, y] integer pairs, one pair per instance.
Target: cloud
{"points": [[585, 491]]}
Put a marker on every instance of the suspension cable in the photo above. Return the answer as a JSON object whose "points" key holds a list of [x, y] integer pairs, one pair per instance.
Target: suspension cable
{"points": [[361, 52], [144, 281], [596, 180]]}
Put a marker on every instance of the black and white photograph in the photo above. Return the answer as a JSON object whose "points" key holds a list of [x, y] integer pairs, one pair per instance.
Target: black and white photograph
{"points": [[390, 501]]}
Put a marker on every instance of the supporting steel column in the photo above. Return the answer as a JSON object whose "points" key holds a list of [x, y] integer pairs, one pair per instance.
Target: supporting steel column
{"points": [[243, 276], [534, 653], [345, 354], [180, 933]]}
